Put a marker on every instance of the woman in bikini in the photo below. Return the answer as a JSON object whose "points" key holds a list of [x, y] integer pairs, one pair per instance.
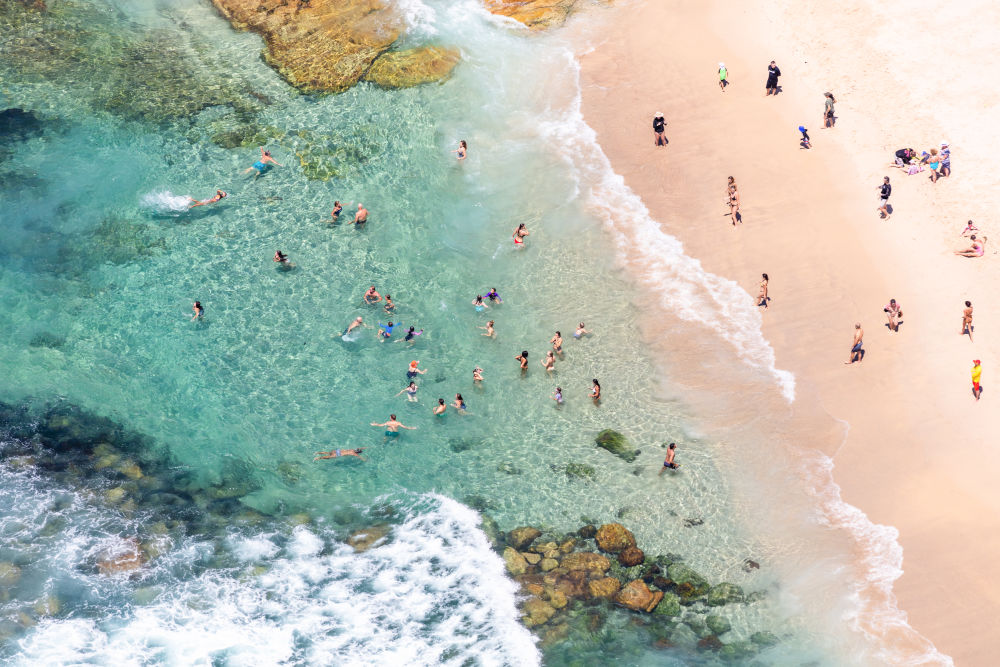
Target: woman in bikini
{"points": [[978, 248], [459, 404], [523, 358], [549, 362], [411, 392], [595, 391], [462, 148], [734, 203], [762, 296], [336, 453], [479, 304], [519, 235], [219, 195], [489, 330]]}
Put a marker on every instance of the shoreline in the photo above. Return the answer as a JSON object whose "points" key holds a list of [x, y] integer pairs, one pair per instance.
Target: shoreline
{"points": [[813, 227]]}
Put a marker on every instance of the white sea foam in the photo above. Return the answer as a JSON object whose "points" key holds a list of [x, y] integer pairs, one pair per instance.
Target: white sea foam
{"points": [[420, 19], [694, 295], [433, 593], [164, 201]]}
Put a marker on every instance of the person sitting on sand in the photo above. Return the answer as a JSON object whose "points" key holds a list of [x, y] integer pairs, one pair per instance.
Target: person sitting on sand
{"points": [[969, 228], [893, 312], [219, 196], [977, 249], [904, 156], [337, 453]]}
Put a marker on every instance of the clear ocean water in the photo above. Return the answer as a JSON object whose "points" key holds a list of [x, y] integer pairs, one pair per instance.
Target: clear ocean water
{"points": [[101, 262]]}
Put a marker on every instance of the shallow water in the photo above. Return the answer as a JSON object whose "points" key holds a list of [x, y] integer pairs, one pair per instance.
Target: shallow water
{"points": [[101, 264]]}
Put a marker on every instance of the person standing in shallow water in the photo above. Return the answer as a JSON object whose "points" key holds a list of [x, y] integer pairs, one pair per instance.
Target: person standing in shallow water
{"points": [[462, 149], [523, 359], [361, 217], [199, 312], [772, 79], [392, 427], [659, 138], [668, 461], [595, 391]]}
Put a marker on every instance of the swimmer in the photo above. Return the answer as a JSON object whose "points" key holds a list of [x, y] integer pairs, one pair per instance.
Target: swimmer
{"points": [[479, 304], [354, 325], [549, 361], [411, 392], [340, 452], [557, 396], [668, 461], [389, 305], [199, 312], [392, 427], [385, 330], [557, 343], [440, 407], [459, 404], [282, 259], [523, 358], [371, 296], [413, 371], [462, 148], [410, 335], [489, 330], [261, 165], [337, 208], [595, 391], [361, 217], [477, 375], [519, 234], [581, 331], [219, 195], [493, 296]]}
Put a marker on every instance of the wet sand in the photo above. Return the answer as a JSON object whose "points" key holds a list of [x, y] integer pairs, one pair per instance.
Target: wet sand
{"points": [[920, 455]]}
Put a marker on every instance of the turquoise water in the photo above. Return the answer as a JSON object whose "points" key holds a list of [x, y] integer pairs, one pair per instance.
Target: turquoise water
{"points": [[100, 269]]}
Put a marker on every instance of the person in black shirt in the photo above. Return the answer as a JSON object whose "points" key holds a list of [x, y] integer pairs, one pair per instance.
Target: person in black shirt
{"points": [[772, 79], [884, 191], [658, 125]]}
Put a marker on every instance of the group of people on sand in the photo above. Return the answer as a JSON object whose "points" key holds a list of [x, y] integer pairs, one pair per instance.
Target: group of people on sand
{"points": [[938, 163]]}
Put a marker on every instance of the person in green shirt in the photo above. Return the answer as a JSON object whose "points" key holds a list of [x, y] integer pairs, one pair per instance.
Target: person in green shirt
{"points": [[723, 73]]}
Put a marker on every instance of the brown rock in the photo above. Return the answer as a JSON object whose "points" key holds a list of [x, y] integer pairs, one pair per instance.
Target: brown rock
{"points": [[366, 538], [412, 67], [548, 564], [545, 547], [663, 643], [587, 531], [535, 589], [537, 611], [614, 537], [586, 560], [536, 14], [573, 584], [553, 553], [631, 556], [520, 538], [531, 558], [556, 598], [637, 597], [567, 546], [514, 561], [555, 634], [124, 557], [710, 643], [604, 588]]}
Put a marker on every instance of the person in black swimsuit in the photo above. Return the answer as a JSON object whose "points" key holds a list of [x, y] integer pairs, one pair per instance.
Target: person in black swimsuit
{"points": [[659, 138], [772, 79], [884, 191]]}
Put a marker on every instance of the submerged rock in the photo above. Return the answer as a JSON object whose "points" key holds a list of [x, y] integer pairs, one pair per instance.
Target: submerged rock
{"points": [[724, 593], [536, 14], [18, 124], [521, 538], [587, 531], [614, 537], [366, 538], [764, 638], [717, 624], [605, 587], [412, 67], [10, 574], [537, 612], [637, 596], [615, 442], [694, 585], [670, 605], [587, 561], [581, 471], [631, 556], [125, 557], [515, 562]]}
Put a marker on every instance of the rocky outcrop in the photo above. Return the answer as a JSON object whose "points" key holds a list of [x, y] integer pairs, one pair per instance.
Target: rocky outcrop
{"points": [[536, 14], [604, 588], [615, 442], [330, 45], [515, 562], [614, 537], [631, 556], [586, 560], [637, 597], [124, 557], [520, 538], [366, 538]]}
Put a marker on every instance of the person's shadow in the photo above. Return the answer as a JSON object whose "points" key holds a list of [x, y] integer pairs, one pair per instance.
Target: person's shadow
{"points": [[739, 217], [899, 323], [777, 90]]}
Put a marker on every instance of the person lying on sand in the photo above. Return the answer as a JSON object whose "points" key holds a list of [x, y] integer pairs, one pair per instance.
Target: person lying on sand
{"points": [[978, 248]]}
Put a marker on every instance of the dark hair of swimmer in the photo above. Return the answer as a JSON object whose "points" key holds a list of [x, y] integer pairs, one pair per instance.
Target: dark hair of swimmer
{"points": [[440, 401], [359, 450], [267, 153], [520, 226], [596, 382], [968, 303], [459, 398], [390, 324], [765, 276], [479, 298], [388, 296], [197, 304], [392, 417], [464, 145], [559, 333], [411, 329], [673, 446], [524, 353]]}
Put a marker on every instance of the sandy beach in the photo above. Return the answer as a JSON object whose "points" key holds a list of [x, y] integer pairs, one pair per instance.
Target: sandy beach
{"points": [[920, 453]]}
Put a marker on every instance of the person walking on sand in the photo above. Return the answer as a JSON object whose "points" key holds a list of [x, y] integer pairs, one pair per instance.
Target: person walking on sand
{"points": [[337, 453], [884, 191], [856, 350], [361, 217], [762, 294], [668, 461], [392, 427], [977, 373], [967, 320], [263, 164], [828, 118], [772, 79], [805, 137], [659, 138], [734, 203], [893, 312], [723, 76]]}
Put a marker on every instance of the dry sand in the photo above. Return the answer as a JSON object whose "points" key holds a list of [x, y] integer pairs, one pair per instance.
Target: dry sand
{"points": [[921, 454]]}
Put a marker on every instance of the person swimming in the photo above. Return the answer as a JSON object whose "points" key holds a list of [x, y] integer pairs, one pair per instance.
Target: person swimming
{"points": [[199, 312], [477, 375], [493, 296], [523, 358], [519, 234], [580, 331], [336, 453], [479, 304], [411, 392], [557, 396], [371, 296], [337, 208], [440, 407], [282, 259], [411, 334], [462, 148], [413, 371], [459, 403], [263, 164], [489, 330], [385, 330], [354, 325], [549, 361], [389, 305], [219, 196]]}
